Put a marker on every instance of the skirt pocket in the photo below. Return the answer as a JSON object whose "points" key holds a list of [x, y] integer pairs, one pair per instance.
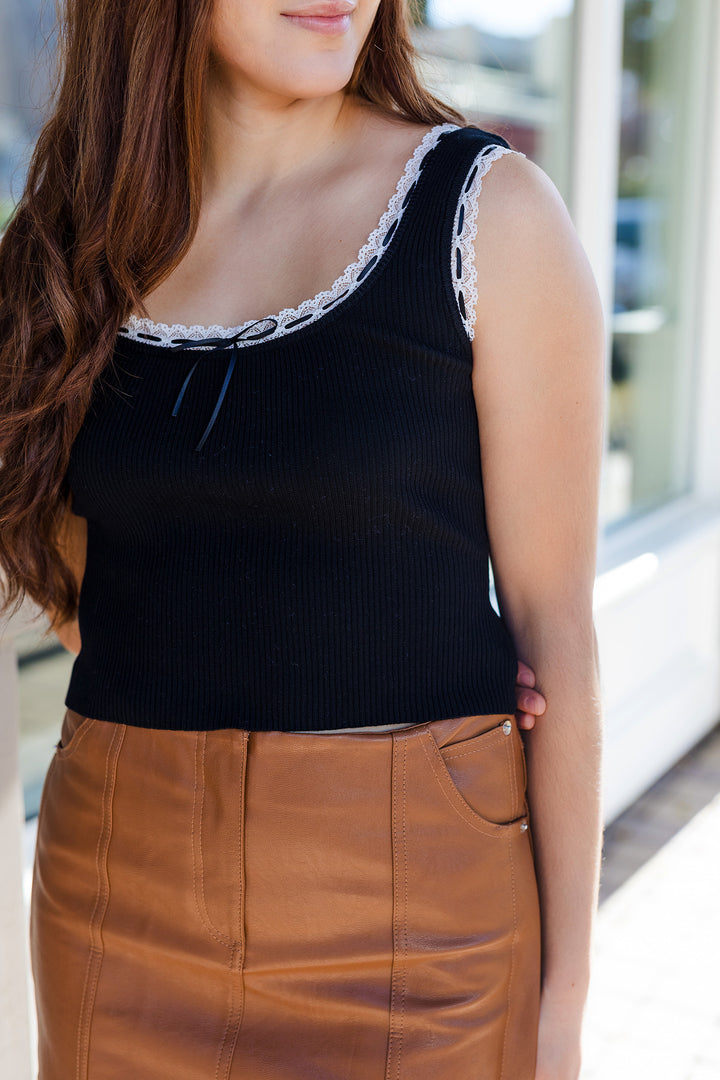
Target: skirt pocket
{"points": [[465, 988], [483, 772], [74, 729]]}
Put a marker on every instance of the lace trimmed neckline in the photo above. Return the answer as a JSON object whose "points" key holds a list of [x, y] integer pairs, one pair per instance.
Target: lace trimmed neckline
{"points": [[289, 319]]}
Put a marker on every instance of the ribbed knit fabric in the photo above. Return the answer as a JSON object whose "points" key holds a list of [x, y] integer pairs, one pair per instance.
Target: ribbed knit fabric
{"points": [[322, 561]]}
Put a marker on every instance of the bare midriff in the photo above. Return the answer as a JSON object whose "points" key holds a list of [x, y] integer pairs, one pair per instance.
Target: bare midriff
{"points": [[366, 727]]}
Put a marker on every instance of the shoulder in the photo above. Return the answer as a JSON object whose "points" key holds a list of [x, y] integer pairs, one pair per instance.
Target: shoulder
{"points": [[527, 252], [520, 198]]}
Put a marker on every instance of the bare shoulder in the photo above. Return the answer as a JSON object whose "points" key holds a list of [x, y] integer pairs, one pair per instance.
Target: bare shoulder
{"points": [[519, 200], [384, 141], [528, 255]]}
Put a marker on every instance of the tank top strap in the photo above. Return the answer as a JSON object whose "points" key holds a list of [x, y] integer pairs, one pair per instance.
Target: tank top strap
{"points": [[434, 253]]}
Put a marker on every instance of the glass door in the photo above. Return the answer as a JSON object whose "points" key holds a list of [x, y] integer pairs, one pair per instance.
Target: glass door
{"points": [[665, 98]]}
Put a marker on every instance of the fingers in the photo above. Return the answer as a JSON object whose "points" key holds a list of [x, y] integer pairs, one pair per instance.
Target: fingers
{"points": [[529, 701], [525, 675], [525, 721]]}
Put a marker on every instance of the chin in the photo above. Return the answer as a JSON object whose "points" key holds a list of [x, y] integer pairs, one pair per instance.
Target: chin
{"points": [[309, 76], [311, 86]]}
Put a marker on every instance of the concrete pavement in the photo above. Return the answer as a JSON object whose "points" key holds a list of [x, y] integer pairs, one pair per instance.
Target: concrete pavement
{"points": [[654, 1006]]}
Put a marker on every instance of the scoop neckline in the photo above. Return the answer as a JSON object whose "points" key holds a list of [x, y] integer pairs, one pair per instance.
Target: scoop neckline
{"points": [[158, 335]]}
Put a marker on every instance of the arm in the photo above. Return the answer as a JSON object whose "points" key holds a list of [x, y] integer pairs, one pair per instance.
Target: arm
{"points": [[72, 541], [538, 382]]}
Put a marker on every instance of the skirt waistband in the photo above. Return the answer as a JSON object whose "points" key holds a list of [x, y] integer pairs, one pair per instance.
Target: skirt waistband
{"points": [[73, 720]]}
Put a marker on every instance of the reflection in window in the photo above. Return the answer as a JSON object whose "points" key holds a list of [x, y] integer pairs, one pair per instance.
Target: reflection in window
{"points": [[26, 62], [664, 92], [508, 68]]}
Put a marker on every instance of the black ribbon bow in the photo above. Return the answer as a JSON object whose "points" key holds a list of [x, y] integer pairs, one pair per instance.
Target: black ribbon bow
{"points": [[221, 343]]}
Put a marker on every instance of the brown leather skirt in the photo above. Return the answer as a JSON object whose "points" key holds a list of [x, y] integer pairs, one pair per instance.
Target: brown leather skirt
{"points": [[286, 906]]}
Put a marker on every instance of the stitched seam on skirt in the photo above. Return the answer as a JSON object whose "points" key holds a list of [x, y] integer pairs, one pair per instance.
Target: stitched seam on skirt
{"points": [[238, 950], [234, 1015], [406, 875], [475, 749], [398, 982], [197, 855], [510, 758], [240, 925], [92, 971], [462, 809], [241, 859], [512, 960], [65, 752], [221, 1051]]}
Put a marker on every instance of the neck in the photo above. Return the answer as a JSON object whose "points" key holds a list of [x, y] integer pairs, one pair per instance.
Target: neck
{"points": [[255, 141]]}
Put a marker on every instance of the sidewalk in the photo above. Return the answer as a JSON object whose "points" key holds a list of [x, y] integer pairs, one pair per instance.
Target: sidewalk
{"points": [[654, 1006]]}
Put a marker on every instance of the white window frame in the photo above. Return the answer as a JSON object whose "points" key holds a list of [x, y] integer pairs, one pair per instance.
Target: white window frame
{"points": [[657, 604]]}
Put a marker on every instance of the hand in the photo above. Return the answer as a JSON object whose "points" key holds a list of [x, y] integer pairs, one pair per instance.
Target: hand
{"points": [[530, 702]]}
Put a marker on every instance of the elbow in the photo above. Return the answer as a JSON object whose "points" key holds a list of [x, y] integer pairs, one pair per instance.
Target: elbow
{"points": [[69, 636], [556, 635]]}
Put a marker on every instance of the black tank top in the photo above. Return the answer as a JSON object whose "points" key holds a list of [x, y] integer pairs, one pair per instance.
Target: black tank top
{"points": [[286, 526]]}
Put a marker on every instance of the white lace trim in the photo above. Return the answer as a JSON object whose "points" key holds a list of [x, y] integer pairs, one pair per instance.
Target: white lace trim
{"points": [[463, 269], [309, 311]]}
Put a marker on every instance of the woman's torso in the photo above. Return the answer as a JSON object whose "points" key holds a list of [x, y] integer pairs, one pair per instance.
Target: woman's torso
{"points": [[323, 562]]}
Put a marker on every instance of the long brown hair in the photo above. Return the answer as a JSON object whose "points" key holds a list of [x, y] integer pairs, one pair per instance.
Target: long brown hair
{"points": [[110, 206]]}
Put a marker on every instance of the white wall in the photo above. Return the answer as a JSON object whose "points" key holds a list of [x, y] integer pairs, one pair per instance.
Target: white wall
{"points": [[658, 622]]}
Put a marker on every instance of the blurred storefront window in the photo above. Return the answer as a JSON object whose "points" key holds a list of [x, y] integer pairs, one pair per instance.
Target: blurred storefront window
{"points": [[659, 230], [27, 47], [508, 68]]}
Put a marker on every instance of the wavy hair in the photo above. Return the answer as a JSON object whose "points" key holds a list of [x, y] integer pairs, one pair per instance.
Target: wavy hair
{"points": [[110, 206]]}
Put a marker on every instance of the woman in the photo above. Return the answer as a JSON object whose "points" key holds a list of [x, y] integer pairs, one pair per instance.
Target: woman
{"points": [[286, 831]]}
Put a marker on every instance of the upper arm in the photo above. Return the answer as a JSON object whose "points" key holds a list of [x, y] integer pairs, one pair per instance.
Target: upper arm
{"points": [[538, 363], [72, 543]]}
